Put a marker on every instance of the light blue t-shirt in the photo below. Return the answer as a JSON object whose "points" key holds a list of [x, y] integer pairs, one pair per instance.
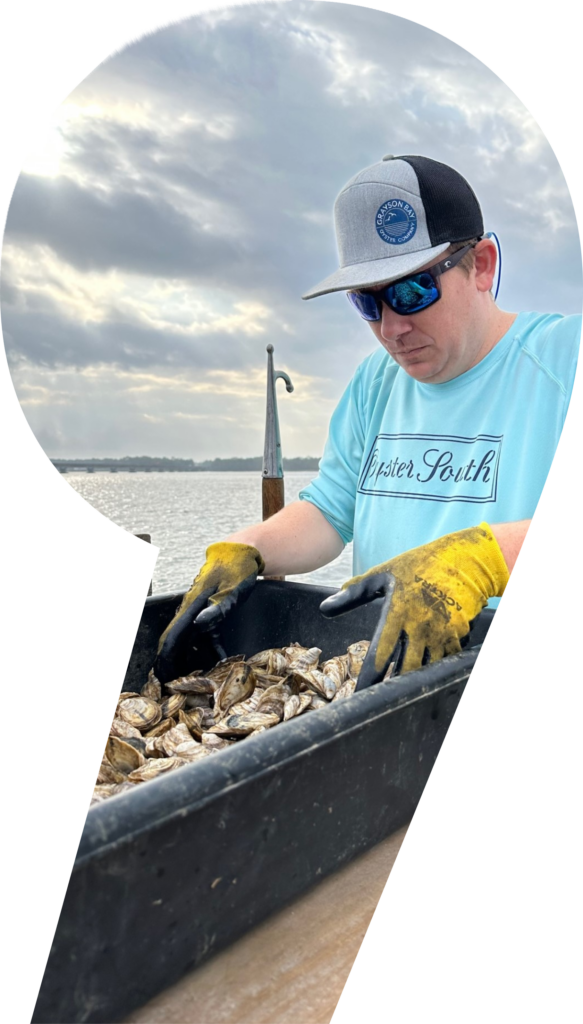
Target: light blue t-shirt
{"points": [[406, 462]]}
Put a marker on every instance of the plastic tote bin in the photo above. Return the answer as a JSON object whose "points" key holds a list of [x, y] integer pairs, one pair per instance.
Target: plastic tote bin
{"points": [[170, 873]]}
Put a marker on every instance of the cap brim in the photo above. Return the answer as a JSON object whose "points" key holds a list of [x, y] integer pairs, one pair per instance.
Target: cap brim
{"points": [[375, 272]]}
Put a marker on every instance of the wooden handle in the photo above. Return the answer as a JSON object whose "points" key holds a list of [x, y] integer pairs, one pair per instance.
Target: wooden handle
{"points": [[273, 495], [272, 491]]}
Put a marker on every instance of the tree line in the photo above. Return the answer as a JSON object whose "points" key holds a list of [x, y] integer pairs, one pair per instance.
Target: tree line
{"points": [[173, 465]]}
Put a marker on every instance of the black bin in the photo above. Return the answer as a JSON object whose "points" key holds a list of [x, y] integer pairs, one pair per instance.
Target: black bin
{"points": [[170, 873]]}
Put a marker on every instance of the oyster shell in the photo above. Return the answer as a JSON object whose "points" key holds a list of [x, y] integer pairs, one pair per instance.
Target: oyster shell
{"points": [[219, 673], [296, 705], [172, 705], [102, 792], [243, 725], [213, 742], [336, 669], [141, 712], [356, 654], [192, 685], [346, 690], [152, 688], [238, 685], [123, 729], [205, 713], [108, 775], [193, 722], [162, 727], [272, 700], [122, 756], [172, 739], [156, 766]]}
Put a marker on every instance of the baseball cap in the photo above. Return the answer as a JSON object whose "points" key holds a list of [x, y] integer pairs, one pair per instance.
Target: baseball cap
{"points": [[394, 217]]}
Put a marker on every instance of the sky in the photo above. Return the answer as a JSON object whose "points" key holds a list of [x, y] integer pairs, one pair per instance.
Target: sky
{"points": [[163, 231]]}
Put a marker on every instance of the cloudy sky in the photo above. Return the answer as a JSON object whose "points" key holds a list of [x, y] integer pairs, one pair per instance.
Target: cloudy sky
{"points": [[163, 232]]}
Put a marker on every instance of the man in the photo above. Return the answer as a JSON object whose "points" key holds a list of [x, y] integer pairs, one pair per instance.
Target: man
{"points": [[455, 416]]}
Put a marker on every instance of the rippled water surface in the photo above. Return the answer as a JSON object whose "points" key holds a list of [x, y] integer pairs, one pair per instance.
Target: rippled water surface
{"points": [[185, 512]]}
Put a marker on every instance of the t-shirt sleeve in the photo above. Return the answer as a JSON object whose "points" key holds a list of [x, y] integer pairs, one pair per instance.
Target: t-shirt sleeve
{"points": [[558, 352], [334, 489], [571, 353]]}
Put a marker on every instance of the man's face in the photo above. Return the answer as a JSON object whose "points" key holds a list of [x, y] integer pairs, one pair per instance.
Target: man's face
{"points": [[442, 341]]}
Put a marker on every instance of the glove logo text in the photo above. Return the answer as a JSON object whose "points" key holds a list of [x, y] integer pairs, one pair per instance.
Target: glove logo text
{"points": [[437, 599]]}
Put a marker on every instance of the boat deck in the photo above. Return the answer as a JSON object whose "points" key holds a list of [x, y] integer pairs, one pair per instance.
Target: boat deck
{"points": [[292, 967]]}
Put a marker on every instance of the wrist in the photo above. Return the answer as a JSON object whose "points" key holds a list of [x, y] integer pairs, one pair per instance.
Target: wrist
{"points": [[225, 549], [510, 537], [494, 560]]}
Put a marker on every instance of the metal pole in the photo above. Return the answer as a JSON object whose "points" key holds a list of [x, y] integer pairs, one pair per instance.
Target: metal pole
{"points": [[272, 487]]}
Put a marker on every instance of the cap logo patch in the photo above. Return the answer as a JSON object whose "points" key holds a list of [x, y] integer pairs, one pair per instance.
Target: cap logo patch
{"points": [[396, 222]]}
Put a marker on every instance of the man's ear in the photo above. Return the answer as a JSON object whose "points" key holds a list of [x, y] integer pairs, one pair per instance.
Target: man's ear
{"points": [[485, 257]]}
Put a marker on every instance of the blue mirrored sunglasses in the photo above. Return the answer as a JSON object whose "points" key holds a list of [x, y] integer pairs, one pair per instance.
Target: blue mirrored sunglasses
{"points": [[408, 295]]}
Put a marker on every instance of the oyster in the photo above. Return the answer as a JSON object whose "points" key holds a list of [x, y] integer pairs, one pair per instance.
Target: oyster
{"points": [[156, 766], [272, 701], [317, 682], [276, 664], [336, 669], [201, 714], [155, 747], [245, 707], [152, 688], [163, 726], [302, 659], [141, 712], [194, 700], [172, 739], [296, 704], [243, 725], [356, 654], [108, 775], [221, 670], [122, 755], [173, 704], [102, 792], [346, 690], [213, 742], [123, 729], [238, 684], [193, 684], [193, 721], [261, 659]]}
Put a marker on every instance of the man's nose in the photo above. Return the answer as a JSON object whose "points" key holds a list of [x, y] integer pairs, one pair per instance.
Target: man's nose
{"points": [[393, 326]]}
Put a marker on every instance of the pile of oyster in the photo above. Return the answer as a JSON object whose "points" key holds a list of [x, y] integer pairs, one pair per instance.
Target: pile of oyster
{"points": [[155, 732]]}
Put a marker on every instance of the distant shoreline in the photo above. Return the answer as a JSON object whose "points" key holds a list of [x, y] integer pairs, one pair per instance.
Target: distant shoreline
{"points": [[149, 464]]}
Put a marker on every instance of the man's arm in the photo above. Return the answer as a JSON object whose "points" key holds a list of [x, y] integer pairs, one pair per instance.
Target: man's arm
{"points": [[510, 537], [300, 539], [297, 539]]}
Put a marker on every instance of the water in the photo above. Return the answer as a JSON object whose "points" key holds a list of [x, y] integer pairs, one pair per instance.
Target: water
{"points": [[185, 512]]}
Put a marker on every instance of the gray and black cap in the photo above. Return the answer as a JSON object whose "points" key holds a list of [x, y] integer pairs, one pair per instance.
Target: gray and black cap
{"points": [[395, 217]]}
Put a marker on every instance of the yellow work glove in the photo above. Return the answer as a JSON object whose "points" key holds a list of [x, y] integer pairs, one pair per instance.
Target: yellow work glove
{"points": [[432, 595], [225, 580]]}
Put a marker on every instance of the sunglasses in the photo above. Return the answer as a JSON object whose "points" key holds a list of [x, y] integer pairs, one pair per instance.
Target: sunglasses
{"points": [[409, 294]]}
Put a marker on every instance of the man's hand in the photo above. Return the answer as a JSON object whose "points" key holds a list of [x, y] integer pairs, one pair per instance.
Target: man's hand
{"points": [[226, 578], [432, 594]]}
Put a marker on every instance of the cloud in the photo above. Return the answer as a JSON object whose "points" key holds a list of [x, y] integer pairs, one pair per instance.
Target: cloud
{"points": [[160, 413], [115, 230], [186, 205]]}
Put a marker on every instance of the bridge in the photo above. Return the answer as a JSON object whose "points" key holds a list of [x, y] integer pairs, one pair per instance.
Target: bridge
{"points": [[120, 465]]}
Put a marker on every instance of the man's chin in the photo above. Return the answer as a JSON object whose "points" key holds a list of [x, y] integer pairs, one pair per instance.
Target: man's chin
{"points": [[422, 371]]}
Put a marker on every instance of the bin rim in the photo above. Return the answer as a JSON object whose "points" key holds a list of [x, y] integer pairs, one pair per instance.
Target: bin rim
{"points": [[122, 818]]}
